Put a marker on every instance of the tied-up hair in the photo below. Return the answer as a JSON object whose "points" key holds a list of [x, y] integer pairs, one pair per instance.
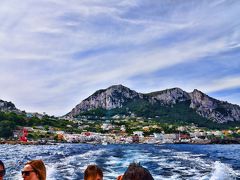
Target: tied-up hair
{"points": [[39, 168]]}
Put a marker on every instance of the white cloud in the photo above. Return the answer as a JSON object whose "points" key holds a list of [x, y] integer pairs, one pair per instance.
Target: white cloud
{"points": [[58, 52], [221, 84]]}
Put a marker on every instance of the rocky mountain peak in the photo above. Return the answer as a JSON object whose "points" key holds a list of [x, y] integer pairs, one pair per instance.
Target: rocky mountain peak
{"points": [[210, 108], [196, 92], [7, 106], [116, 91], [118, 96], [170, 96], [113, 97], [199, 99], [118, 87]]}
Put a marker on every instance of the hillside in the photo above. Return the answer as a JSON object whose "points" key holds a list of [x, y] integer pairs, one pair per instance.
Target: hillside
{"points": [[169, 105], [8, 106]]}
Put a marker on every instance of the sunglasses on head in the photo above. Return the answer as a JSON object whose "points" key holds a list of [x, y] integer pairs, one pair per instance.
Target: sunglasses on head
{"points": [[2, 172], [26, 173]]}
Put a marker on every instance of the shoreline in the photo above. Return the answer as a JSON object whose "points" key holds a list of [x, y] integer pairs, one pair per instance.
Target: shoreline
{"points": [[215, 141]]}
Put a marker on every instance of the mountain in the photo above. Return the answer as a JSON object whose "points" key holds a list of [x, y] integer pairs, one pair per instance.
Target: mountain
{"points": [[215, 110], [167, 104], [8, 106]]}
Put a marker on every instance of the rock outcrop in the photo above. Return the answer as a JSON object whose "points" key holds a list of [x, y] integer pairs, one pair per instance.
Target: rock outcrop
{"points": [[213, 109], [110, 98], [7, 106], [118, 96], [169, 96]]}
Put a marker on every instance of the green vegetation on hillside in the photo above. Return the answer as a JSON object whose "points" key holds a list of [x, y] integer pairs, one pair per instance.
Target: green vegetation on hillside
{"points": [[179, 113], [10, 120]]}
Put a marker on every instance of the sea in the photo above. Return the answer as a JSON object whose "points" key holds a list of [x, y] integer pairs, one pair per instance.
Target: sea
{"points": [[164, 161]]}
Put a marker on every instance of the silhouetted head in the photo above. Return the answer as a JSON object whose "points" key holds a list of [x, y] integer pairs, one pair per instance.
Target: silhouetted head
{"points": [[93, 172], [137, 172], [34, 170], [2, 170]]}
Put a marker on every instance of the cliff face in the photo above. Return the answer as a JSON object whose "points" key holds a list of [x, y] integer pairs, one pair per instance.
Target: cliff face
{"points": [[215, 110], [110, 98], [7, 106], [169, 96], [118, 96]]}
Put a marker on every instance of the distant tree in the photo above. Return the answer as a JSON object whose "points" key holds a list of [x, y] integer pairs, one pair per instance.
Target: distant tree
{"points": [[6, 128], [2, 116], [46, 127], [19, 119]]}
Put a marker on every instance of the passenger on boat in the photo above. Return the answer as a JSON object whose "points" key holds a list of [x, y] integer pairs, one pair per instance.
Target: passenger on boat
{"points": [[136, 172], [34, 170], [93, 172], [2, 170]]}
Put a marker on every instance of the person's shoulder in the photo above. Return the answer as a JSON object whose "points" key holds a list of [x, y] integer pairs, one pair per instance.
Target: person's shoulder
{"points": [[120, 177]]}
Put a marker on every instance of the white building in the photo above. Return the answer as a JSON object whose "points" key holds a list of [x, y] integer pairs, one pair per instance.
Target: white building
{"points": [[116, 117], [139, 133], [182, 128], [158, 136], [107, 126], [123, 128], [217, 133], [169, 138]]}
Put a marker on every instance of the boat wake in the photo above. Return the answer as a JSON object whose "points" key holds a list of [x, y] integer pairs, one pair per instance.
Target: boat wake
{"points": [[68, 161]]}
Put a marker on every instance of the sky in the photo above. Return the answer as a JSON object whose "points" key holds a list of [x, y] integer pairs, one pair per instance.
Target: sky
{"points": [[56, 53]]}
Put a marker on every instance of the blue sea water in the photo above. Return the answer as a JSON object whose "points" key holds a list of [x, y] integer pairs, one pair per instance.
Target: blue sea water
{"points": [[167, 161]]}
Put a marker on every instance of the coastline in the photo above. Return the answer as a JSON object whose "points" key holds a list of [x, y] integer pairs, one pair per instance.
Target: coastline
{"points": [[213, 141]]}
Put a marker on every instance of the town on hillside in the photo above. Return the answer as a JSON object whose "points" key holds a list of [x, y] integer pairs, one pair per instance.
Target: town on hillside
{"points": [[117, 130]]}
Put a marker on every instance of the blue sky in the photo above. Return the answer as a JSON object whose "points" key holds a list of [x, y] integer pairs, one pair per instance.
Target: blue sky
{"points": [[55, 53]]}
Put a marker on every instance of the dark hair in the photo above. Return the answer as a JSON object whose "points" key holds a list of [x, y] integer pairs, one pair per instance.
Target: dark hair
{"points": [[1, 164], [92, 171], [137, 172], [39, 168], [4, 170]]}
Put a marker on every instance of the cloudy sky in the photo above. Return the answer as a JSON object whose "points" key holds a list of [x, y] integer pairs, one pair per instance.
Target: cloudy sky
{"points": [[55, 53]]}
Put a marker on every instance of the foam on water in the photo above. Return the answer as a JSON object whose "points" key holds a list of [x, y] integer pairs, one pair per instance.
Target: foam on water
{"points": [[68, 161], [50, 172], [222, 172], [71, 165]]}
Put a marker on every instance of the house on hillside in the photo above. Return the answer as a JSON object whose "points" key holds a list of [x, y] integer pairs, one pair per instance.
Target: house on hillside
{"points": [[139, 133], [170, 138]]}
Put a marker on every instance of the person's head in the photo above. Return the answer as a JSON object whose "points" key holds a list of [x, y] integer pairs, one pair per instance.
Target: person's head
{"points": [[93, 172], [34, 170], [2, 170], [137, 172]]}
